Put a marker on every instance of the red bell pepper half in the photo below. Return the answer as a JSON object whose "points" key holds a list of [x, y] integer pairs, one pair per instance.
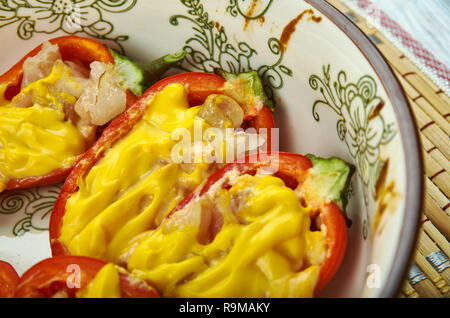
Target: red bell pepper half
{"points": [[50, 277], [135, 78], [71, 48], [8, 280], [198, 85], [323, 183]]}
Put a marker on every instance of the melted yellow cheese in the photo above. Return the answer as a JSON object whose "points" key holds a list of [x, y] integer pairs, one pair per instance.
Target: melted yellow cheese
{"points": [[3, 100], [37, 140], [265, 249], [135, 185], [106, 284]]}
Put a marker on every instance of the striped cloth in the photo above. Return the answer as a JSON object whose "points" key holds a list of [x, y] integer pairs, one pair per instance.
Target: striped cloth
{"points": [[437, 71]]}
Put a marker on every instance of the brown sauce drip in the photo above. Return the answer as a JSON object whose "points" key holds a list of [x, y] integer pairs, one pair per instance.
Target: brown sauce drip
{"points": [[376, 110], [250, 13], [389, 200], [289, 29], [381, 179]]}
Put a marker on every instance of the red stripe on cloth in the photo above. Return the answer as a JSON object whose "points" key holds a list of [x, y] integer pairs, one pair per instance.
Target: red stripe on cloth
{"points": [[406, 39]]}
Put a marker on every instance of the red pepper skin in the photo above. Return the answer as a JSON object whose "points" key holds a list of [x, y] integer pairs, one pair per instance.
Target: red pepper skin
{"points": [[8, 280], [336, 241], [199, 86], [55, 176], [71, 48], [50, 276], [293, 170]]}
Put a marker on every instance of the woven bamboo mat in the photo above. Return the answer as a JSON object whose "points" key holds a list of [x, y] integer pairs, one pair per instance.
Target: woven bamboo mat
{"points": [[429, 275]]}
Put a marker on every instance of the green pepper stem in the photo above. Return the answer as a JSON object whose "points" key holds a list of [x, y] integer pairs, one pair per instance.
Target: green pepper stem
{"points": [[138, 77], [155, 69]]}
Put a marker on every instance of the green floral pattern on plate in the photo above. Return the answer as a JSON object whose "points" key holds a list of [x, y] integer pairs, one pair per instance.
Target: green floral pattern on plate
{"points": [[209, 47], [360, 123], [71, 17], [35, 204], [235, 8]]}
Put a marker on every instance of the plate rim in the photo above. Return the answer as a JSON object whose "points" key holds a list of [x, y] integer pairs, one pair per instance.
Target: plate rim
{"points": [[409, 136]]}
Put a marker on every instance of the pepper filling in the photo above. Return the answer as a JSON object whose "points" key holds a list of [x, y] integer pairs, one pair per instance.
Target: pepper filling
{"points": [[136, 183], [52, 120], [249, 239], [203, 250]]}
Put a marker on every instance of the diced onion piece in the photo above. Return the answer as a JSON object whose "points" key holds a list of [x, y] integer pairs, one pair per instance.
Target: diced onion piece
{"points": [[71, 83], [40, 65], [23, 100], [104, 99], [87, 130], [221, 111], [78, 69]]}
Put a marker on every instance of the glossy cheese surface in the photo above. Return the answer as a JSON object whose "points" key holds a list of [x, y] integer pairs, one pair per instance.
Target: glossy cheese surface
{"points": [[135, 184], [106, 284], [36, 140], [264, 249], [263, 246]]}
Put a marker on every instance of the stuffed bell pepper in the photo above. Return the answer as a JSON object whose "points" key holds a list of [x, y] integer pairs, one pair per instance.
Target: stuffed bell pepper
{"points": [[248, 230], [271, 225], [80, 277], [272, 228], [128, 181], [56, 99]]}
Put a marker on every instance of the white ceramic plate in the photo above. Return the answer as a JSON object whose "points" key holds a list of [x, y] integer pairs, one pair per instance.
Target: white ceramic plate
{"points": [[334, 92]]}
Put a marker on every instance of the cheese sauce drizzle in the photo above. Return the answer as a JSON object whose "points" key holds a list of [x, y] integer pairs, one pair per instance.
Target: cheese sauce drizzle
{"points": [[262, 245], [263, 249], [117, 200], [37, 140]]}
